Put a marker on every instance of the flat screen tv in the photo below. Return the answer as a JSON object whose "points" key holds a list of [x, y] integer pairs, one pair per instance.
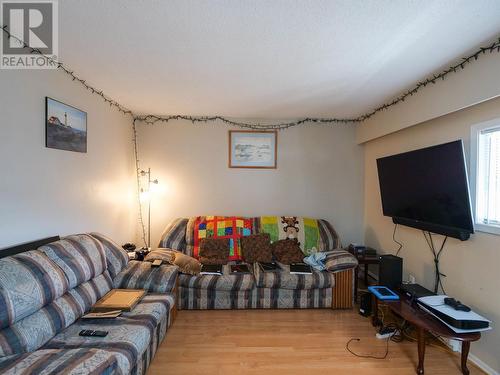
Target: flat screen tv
{"points": [[427, 189]]}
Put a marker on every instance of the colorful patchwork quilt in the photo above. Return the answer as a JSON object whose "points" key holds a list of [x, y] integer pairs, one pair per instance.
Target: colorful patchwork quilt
{"points": [[304, 229], [222, 227]]}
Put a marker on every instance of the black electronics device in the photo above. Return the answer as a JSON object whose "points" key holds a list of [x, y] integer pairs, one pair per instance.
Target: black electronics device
{"points": [[457, 305], [427, 189], [390, 272], [269, 267], [361, 250], [365, 304], [300, 269], [240, 268], [414, 291], [93, 333], [211, 269]]}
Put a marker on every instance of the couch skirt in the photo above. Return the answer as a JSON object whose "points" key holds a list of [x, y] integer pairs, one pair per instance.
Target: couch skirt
{"points": [[256, 298]]}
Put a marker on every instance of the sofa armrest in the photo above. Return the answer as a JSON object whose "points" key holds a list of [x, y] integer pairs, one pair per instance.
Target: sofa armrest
{"points": [[340, 260], [142, 275]]}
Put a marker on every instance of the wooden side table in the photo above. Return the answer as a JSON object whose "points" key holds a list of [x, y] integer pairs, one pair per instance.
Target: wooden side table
{"points": [[425, 322], [365, 260]]}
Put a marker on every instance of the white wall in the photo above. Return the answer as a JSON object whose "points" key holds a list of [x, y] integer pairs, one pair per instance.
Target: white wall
{"points": [[46, 192], [471, 267], [478, 82], [319, 174]]}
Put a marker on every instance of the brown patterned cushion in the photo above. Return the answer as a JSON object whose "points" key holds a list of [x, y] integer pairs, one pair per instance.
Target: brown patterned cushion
{"points": [[257, 248], [287, 251], [187, 264], [214, 250], [164, 254]]}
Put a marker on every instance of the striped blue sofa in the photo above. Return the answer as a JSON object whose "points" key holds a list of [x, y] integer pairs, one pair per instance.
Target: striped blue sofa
{"points": [[44, 292], [264, 290]]}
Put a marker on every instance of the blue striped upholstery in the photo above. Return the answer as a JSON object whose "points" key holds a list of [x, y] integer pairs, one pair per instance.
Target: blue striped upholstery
{"points": [[174, 235], [131, 335], [28, 282], [45, 292], [257, 298], [72, 361], [285, 280], [116, 257], [36, 329], [80, 256], [142, 275]]}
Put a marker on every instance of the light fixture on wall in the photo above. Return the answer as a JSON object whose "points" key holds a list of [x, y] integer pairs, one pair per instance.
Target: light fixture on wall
{"points": [[146, 196]]}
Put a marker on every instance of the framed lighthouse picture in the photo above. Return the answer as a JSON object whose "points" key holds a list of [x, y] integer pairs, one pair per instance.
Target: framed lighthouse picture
{"points": [[65, 127]]}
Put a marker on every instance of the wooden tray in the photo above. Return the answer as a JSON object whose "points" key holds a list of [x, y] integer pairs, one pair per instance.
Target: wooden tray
{"points": [[119, 299]]}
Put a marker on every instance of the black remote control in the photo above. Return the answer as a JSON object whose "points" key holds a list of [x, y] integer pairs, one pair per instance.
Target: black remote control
{"points": [[92, 333], [457, 305]]}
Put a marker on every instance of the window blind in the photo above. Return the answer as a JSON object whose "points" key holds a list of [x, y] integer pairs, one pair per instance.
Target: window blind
{"points": [[488, 184]]}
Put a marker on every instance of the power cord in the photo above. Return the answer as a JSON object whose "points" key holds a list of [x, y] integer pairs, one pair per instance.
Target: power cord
{"points": [[436, 254], [396, 336], [396, 241]]}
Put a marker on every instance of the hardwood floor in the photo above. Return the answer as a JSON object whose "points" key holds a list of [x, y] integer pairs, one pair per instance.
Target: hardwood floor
{"points": [[287, 342]]}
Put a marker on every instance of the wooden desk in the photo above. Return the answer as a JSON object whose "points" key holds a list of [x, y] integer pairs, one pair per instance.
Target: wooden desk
{"points": [[425, 322]]}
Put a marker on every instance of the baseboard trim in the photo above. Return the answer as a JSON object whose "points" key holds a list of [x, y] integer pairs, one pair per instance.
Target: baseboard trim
{"points": [[483, 366]]}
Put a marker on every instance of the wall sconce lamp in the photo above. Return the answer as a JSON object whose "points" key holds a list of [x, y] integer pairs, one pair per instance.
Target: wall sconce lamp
{"points": [[146, 195]]}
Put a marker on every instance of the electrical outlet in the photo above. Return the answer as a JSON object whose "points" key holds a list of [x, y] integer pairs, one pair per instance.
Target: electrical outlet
{"points": [[454, 345], [411, 279]]}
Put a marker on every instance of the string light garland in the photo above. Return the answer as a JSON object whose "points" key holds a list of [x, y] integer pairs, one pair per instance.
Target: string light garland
{"points": [[153, 119], [494, 47], [69, 72]]}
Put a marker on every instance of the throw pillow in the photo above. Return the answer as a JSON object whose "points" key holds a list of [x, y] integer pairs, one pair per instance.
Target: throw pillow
{"points": [[257, 248], [164, 254], [214, 250], [339, 260], [287, 251], [187, 264]]}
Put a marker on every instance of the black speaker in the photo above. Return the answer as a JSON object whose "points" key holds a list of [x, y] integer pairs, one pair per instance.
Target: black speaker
{"points": [[365, 304], [390, 272]]}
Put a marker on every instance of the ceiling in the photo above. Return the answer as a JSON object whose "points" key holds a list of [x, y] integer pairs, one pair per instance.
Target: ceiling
{"points": [[266, 59]]}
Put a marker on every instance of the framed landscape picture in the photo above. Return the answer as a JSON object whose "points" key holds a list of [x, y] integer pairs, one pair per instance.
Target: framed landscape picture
{"points": [[252, 149], [65, 126]]}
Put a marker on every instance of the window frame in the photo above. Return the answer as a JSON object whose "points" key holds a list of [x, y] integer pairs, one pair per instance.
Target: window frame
{"points": [[476, 130]]}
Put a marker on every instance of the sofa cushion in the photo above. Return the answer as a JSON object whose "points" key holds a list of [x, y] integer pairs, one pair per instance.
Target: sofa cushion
{"points": [[116, 257], [287, 251], [285, 280], [187, 264], [174, 235], [61, 361], [36, 329], [214, 250], [142, 275], [257, 248], [132, 334], [80, 256], [165, 255], [339, 260], [214, 282], [28, 281]]}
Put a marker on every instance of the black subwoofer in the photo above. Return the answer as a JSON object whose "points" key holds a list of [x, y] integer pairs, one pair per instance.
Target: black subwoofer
{"points": [[390, 271]]}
